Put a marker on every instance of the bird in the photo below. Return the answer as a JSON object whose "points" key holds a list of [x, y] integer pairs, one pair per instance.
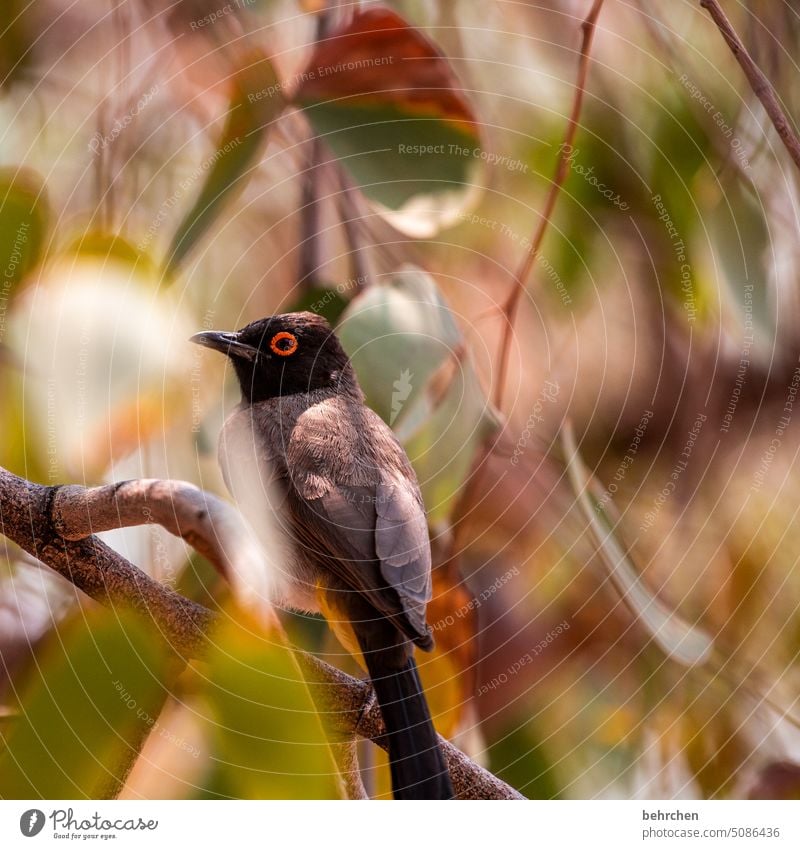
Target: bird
{"points": [[351, 505]]}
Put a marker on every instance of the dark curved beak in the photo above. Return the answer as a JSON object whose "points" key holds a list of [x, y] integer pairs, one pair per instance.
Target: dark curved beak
{"points": [[225, 343]]}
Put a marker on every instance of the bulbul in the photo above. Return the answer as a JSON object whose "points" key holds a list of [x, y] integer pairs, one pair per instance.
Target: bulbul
{"points": [[354, 511]]}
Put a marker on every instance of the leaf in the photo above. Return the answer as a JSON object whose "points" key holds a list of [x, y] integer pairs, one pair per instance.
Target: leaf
{"points": [[777, 780], [673, 202], [96, 690], [106, 362], [24, 219], [19, 431], [113, 247], [388, 104], [409, 356], [521, 759], [744, 248], [395, 328], [265, 735], [682, 642], [256, 102], [449, 672]]}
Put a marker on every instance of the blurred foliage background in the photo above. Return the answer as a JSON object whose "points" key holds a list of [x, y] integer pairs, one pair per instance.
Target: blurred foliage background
{"points": [[615, 615]]}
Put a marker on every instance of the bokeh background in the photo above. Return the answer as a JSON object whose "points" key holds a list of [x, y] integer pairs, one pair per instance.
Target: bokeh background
{"points": [[613, 520]]}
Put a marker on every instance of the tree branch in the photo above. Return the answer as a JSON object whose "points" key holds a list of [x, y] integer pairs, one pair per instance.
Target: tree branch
{"points": [[761, 86], [346, 756], [349, 705], [99, 571], [35, 517], [203, 520]]}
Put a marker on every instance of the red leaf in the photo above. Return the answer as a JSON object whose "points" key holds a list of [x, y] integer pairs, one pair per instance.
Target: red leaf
{"points": [[379, 58]]}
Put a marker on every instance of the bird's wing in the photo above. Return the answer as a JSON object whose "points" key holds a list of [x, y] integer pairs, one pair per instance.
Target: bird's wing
{"points": [[404, 549], [375, 539], [373, 536]]}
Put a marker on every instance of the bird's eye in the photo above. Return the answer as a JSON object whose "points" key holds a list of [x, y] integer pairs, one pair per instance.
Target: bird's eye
{"points": [[283, 344]]}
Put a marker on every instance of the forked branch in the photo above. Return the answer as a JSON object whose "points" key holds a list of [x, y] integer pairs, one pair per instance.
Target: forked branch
{"points": [[54, 525]]}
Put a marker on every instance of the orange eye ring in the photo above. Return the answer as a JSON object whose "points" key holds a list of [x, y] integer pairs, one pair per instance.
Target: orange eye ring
{"points": [[278, 344]]}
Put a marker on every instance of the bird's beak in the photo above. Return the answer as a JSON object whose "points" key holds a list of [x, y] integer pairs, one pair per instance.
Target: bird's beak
{"points": [[225, 343]]}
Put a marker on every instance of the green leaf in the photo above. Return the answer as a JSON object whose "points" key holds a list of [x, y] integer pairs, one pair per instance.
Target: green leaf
{"points": [[741, 240], [387, 103], [19, 431], [518, 757], [95, 692], [24, 219], [679, 174], [410, 359], [256, 102], [114, 248], [265, 735], [369, 142]]}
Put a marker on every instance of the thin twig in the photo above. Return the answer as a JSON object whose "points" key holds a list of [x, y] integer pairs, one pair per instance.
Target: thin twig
{"points": [[762, 87], [523, 271], [509, 309], [672, 61]]}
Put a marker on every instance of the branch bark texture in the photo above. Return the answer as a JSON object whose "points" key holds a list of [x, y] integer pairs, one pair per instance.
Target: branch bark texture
{"points": [[55, 525]]}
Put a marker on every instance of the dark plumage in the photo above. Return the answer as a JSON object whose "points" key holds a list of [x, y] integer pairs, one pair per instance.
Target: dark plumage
{"points": [[352, 507]]}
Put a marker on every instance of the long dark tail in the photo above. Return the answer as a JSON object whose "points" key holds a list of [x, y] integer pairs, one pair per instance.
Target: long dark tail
{"points": [[415, 759]]}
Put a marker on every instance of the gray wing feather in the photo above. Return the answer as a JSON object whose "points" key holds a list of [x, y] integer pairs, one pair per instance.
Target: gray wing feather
{"points": [[403, 549], [377, 539]]}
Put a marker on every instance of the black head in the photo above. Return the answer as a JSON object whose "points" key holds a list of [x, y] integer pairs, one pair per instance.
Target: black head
{"points": [[283, 355]]}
